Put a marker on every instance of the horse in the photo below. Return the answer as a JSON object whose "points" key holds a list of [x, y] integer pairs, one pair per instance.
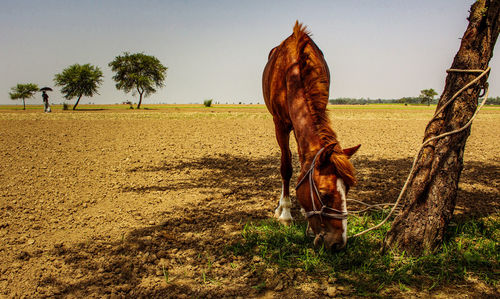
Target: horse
{"points": [[295, 85]]}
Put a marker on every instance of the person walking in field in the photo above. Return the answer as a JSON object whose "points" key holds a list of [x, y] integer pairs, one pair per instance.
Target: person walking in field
{"points": [[45, 97]]}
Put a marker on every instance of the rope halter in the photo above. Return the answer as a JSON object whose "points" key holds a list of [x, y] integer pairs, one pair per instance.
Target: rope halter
{"points": [[325, 211]]}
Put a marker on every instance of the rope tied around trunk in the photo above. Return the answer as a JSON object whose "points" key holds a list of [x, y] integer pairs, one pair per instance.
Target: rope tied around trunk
{"points": [[485, 88]]}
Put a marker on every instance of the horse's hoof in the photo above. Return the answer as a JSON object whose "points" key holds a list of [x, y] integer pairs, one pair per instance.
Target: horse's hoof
{"points": [[285, 222]]}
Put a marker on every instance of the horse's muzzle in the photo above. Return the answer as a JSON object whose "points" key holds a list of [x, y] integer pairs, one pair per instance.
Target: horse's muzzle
{"points": [[330, 241]]}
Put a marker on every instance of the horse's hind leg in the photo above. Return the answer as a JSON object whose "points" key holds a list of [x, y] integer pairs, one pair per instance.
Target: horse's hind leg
{"points": [[283, 211]]}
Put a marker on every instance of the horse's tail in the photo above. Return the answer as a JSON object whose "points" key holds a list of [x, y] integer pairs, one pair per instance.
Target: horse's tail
{"points": [[315, 78]]}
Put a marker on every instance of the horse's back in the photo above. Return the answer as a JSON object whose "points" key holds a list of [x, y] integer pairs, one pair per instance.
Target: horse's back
{"points": [[297, 52], [274, 82]]}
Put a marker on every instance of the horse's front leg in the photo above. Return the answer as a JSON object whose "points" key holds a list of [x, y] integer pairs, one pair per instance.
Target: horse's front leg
{"points": [[283, 211]]}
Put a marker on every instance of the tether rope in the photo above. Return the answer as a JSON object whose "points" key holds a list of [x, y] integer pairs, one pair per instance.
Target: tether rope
{"points": [[369, 206], [410, 175]]}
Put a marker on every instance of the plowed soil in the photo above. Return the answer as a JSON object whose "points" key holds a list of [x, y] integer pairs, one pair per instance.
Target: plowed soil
{"points": [[118, 203]]}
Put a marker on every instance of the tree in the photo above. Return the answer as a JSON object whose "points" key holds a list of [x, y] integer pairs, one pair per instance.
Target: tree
{"points": [[23, 91], [430, 199], [138, 72], [79, 80], [427, 95]]}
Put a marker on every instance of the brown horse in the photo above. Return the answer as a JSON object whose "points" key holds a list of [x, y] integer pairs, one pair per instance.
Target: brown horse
{"points": [[295, 84]]}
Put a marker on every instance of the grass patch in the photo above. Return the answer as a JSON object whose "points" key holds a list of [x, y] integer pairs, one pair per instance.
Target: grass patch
{"points": [[165, 274], [383, 106], [470, 250], [218, 107]]}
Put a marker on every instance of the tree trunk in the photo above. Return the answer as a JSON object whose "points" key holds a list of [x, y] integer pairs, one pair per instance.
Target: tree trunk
{"points": [[77, 101], [431, 195], [24, 105], [140, 99]]}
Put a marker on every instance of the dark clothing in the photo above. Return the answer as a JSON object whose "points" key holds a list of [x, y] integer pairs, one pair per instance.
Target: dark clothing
{"points": [[46, 107]]}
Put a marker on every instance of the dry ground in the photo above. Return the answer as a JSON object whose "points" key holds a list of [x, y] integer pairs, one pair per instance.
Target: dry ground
{"points": [[144, 203]]}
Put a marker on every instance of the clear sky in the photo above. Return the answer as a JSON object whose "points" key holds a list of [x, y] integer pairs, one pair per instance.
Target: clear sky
{"points": [[218, 48]]}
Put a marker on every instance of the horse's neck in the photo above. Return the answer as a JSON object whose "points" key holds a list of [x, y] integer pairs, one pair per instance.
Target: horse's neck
{"points": [[308, 140]]}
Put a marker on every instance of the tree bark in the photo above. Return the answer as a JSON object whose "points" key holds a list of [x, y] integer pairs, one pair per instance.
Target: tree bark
{"points": [[77, 101], [140, 97], [140, 101], [24, 105], [431, 195]]}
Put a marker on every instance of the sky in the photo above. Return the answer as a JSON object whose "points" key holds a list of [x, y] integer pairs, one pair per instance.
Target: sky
{"points": [[217, 49]]}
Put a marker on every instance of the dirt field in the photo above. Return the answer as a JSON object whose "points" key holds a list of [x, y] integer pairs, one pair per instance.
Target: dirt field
{"points": [[112, 203]]}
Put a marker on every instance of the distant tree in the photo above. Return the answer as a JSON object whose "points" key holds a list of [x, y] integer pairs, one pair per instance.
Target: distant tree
{"points": [[23, 91], [79, 80], [139, 72], [427, 95], [207, 103], [493, 101]]}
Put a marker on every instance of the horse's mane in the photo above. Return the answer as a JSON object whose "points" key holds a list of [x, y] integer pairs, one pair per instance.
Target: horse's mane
{"points": [[344, 168], [315, 80], [316, 83]]}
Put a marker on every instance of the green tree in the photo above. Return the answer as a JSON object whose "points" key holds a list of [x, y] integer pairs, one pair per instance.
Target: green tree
{"points": [[23, 91], [427, 95], [79, 80], [138, 72]]}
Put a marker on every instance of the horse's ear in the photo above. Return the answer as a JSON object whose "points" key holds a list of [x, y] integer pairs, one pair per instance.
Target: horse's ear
{"points": [[328, 151], [351, 151]]}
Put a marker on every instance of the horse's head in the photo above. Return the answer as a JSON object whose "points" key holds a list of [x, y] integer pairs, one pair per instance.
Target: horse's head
{"points": [[322, 192]]}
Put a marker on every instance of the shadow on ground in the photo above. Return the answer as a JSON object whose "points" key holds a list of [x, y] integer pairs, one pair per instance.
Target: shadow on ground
{"points": [[242, 178], [188, 254], [380, 181]]}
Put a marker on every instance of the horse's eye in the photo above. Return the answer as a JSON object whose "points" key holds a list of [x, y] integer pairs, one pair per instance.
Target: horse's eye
{"points": [[325, 195]]}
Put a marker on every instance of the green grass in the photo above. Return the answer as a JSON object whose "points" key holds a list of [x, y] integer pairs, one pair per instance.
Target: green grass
{"points": [[20, 107], [165, 274], [383, 106], [127, 107], [224, 106], [432, 107], [470, 250]]}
